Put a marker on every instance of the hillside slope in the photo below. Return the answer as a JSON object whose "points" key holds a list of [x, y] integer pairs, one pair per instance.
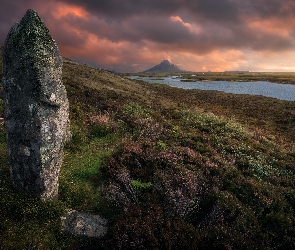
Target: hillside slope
{"points": [[264, 113], [167, 167]]}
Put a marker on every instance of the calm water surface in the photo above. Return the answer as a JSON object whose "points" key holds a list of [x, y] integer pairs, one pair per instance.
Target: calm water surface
{"points": [[279, 91]]}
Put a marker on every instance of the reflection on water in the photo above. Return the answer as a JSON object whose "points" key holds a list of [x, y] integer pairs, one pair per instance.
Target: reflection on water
{"points": [[279, 91]]}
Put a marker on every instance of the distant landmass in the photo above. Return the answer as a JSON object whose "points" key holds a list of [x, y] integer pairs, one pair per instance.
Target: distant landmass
{"points": [[164, 67]]}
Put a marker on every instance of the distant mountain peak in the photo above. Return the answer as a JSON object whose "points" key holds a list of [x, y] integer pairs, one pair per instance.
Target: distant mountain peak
{"points": [[166, 61], [164, 67]]}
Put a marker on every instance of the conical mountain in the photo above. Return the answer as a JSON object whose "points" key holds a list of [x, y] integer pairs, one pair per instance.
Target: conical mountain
{"points": [[164, 67]]}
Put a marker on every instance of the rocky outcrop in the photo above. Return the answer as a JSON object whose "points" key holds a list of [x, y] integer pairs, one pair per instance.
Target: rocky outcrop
{"points": [[36, 107], [84, 224]]}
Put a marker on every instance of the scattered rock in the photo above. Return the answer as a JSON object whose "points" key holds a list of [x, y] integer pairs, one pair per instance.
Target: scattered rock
{"points": [[84, 224], [36, 107]]}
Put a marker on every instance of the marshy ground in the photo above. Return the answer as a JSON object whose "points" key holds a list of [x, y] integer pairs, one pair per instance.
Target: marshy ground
{"points": [[277, 77]]}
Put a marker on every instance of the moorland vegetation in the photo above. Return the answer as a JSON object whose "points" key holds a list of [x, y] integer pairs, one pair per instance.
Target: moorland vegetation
{"points": [[169, 168]]}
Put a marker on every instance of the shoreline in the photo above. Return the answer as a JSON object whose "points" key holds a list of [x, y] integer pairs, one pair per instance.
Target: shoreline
{"points": [[273, 77]]}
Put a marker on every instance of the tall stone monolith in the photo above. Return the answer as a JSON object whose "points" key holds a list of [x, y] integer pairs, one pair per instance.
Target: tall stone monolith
{"points": [[36, 107]]}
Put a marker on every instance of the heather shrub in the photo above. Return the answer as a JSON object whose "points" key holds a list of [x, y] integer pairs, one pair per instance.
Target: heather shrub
{"points": [[179, 234], [147, 228], [118, 187], [100, 125], [136, 229], [209, 177], [225, 223], [135, 110], [180, 189], [211, 124]]}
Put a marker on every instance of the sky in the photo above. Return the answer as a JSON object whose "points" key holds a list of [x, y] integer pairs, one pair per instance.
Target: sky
{"points": [[196, 35]]}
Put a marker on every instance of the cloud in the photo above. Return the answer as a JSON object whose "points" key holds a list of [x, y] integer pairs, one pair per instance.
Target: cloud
{"points": [[9, 14], [130, 35], [222, 23]]}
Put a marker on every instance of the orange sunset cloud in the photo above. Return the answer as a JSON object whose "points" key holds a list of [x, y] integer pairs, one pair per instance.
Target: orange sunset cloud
{"points": [[198, 36]]}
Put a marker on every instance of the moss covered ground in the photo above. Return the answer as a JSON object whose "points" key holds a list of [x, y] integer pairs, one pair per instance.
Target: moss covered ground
{"points": [[169, 169]]}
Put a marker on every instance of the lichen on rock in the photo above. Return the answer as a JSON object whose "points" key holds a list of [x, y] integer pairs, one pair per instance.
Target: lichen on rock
{"points": [[36, 107]]}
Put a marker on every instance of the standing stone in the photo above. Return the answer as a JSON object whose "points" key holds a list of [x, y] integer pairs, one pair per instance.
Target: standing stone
{"points": [[36, 107]]}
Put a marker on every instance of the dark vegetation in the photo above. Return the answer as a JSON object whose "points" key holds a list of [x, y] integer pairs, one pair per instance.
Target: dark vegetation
{"points": [[169, 168]]}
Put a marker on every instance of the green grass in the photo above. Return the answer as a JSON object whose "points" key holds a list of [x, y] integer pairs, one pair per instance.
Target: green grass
{"points": [[80, 176], [205, 170]]}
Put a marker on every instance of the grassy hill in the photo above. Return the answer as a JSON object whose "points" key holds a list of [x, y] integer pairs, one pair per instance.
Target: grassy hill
{"points": [[169, 168]]}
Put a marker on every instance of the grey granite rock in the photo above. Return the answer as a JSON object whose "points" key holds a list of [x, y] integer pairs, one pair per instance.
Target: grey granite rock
{"points": [[84, 224], [36, 107]]}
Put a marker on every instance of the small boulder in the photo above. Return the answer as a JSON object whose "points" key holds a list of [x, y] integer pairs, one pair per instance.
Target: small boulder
{"points": [[84, 224]]}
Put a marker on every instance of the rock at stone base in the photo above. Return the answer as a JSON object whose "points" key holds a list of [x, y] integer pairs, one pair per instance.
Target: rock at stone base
{"points": [[84, 224], [36, 107]]}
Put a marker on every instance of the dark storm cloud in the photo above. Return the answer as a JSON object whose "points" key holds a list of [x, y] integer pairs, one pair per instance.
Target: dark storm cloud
{"points": [[268, 9], [218, 10], [224, 11], [9, 14], [119, 31], [224, 22], [160, 29], [12, 10], [117, 9]]}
